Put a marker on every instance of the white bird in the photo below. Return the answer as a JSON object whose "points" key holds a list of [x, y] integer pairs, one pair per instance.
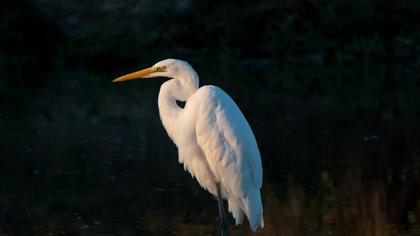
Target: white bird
{"points": [[215, 142]]}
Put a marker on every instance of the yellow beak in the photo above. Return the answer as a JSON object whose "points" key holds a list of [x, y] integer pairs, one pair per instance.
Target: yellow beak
{"points": [[136, 75]]}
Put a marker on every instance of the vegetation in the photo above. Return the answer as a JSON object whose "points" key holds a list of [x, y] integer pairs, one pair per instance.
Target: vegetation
{"points": [[353, 57]]}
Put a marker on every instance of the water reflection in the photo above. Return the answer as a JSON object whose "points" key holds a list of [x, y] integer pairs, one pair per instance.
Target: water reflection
{"points": [[320, 179]]}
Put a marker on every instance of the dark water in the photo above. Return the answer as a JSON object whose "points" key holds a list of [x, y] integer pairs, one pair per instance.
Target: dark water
{"points": [[121, 178]]}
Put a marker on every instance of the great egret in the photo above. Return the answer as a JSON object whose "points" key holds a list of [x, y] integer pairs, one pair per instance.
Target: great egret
{"points": [[215, 142]]}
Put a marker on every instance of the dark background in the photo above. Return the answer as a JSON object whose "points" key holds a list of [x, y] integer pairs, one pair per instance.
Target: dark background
{"points": [[352, 58], [330, 88]]}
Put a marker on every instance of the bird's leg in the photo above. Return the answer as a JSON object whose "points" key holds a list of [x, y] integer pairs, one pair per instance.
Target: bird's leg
{"points": [[223, 222]]}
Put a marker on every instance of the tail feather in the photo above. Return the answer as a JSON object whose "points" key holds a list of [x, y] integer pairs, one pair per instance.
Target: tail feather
{"points": [[253, 209], [251, 206], [236, 211]]}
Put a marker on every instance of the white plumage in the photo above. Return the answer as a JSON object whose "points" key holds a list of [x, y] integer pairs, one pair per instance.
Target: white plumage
{"points": [[215, 142]]}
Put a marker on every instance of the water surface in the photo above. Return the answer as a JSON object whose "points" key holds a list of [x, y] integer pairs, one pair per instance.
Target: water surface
{"points": [[120, 178]]}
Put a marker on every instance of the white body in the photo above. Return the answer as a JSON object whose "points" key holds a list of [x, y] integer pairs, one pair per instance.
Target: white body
{"points": [[215, 142]]}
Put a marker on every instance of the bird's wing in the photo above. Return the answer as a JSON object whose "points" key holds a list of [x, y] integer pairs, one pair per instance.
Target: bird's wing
{"points": [[227, 141]]}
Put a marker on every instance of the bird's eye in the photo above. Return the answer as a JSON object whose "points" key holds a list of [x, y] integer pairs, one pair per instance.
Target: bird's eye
{"points": [[161, 69]]}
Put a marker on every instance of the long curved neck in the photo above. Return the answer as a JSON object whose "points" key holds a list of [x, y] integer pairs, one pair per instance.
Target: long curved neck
{"points": [[180, 88]]}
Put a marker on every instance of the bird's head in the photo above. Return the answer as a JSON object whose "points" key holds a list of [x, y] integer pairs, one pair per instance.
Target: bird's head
{"points": [[165, 68]]}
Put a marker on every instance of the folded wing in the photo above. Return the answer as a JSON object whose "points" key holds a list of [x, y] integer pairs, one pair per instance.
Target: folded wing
{"points": [[231, 150]]}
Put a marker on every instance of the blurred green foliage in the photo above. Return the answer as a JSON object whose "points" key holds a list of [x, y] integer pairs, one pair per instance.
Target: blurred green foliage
{"points": [[355, 56]]}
